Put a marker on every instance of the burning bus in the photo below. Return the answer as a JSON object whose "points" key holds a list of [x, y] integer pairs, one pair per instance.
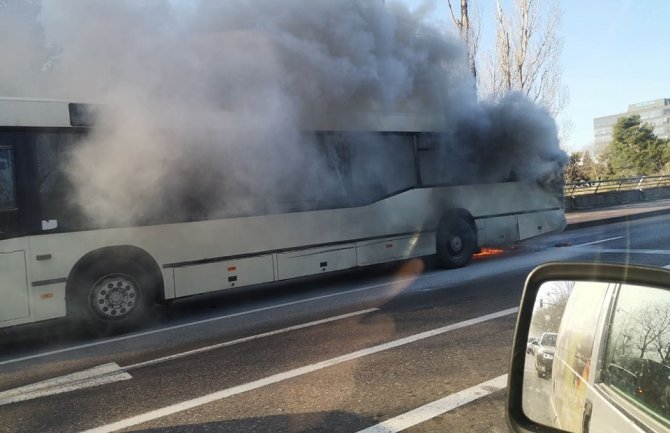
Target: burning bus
{"points": [[379, 199], [240, 144]]}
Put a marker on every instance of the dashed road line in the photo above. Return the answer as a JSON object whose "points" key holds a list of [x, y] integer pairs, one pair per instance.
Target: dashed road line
{"points": [[438, 407], [96, 376], [625, 251], [599, 241]]}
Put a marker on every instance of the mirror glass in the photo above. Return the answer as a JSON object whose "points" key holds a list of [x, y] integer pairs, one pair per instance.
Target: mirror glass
{"points": [[598, 357]]}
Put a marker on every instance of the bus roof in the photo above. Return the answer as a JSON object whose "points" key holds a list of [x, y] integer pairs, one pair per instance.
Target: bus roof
{"points": [[34, 112], [25, 112]]}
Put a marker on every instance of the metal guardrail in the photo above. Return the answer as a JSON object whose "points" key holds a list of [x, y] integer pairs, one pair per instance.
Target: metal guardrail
{"points": [[610, 185]]}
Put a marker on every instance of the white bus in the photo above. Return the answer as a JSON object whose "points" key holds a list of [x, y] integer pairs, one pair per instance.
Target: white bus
{"points": [[54, 264]]}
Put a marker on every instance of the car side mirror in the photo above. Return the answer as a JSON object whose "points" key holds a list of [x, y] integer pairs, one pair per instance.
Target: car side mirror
{"points": [[602, 359]]}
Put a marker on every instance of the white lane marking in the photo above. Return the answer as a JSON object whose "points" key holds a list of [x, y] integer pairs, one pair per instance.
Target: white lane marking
{"points": [[225, 393], [624, 251], [198, 322], [667, 266], [599, 241], [438, 407], [96, 376], [245, 339]]}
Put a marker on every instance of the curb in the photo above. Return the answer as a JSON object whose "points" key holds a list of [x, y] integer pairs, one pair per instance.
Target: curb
{"points": [[617, 219]]}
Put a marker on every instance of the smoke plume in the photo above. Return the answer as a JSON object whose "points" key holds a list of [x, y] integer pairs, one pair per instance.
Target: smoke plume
{"points": [[214, 95]]}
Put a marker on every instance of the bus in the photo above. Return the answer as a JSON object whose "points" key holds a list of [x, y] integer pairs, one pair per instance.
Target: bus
{"points": [[54, 263]]}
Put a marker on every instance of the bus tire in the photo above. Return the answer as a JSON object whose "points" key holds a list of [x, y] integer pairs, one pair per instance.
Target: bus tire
{"points": [[456, 240], [112, 297]]}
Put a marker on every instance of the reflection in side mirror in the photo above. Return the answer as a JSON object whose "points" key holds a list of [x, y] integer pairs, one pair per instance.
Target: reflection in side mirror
{"points": [[597, 344]]}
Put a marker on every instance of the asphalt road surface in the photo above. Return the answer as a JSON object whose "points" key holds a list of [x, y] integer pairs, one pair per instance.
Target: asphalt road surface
{"points": [[536, 396], [406, 347]]}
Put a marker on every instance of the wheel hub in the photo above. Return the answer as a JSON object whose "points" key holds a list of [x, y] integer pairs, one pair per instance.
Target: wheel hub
{"points": [[456, 244], [114, 296]]}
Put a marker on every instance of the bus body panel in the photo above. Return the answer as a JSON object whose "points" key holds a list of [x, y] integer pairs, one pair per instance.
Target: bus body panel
{"points": [[395, 248], [15, 302], [407, 221], [413, 211], [501, 230], [169, 291], [191, 280], [315, 260], [538, 223]]}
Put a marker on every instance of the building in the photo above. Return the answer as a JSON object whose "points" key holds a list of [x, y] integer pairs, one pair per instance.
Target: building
{"points": [[655, 112]]}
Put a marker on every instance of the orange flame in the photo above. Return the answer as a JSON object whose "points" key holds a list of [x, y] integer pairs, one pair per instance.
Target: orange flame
{"points": [[485, 252]]}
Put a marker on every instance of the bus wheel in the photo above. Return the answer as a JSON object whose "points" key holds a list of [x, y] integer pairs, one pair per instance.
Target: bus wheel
{"points": [[113, 297], [456, 241]]}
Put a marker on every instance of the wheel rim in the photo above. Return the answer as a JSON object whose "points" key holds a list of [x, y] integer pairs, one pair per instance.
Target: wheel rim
{"points": [[114, 296], [456, 243]]}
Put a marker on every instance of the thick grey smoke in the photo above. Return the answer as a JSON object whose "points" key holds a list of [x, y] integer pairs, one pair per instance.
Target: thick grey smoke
{"points": [[510, 140], [225, 89]]}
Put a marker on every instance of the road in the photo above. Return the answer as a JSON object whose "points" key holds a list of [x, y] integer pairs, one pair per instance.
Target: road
{"points": [[536, 398], [411, 346]]}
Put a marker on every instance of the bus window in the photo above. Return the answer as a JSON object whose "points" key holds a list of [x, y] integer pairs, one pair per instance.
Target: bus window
{"points": [[363, 167], [637, 360], [381, 165], [55, 190], [430, 154], [7, 187], [8, 214], [443, 164]]}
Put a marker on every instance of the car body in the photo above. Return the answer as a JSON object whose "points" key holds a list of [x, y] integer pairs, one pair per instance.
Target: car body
{"points": [[603, 377], [532, 345], [544, 354]]}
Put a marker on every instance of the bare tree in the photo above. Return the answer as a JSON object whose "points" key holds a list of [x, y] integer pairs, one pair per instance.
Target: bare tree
{"points": [[527, 52], [652, 324], [552, 301], [662, 346], [467, 24], [662, 341], [621, 337]]}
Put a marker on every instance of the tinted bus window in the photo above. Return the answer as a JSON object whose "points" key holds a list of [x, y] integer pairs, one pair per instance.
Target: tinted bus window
{"points": [[7, 186], [368, 167], [56, 193], [8, 213]]}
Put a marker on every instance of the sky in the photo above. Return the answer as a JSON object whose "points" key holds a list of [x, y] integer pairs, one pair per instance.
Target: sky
{"points": [[615, 53]]}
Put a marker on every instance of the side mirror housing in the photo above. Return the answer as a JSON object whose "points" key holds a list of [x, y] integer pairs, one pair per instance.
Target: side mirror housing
{"points": [[601, 361]]}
